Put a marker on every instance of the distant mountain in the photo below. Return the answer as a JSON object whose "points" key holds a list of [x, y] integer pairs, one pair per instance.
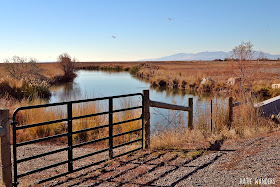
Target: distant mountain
{"points": [[206, 56]]}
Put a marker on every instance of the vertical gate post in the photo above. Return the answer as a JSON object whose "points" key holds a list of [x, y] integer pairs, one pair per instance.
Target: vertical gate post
{"points": [[70, 139], [146, 114], [111, 128], [6, 149], [230, 112], [190, 120]]}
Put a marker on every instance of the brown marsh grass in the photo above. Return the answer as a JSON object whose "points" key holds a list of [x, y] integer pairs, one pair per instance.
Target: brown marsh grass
{"points": [[38, 115], [188, 74], [19, 89], [247, 123], [49, 70], [265, 72], [184, 74]]}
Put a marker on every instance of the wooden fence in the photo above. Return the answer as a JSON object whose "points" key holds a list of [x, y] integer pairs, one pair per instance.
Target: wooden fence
{"points": [[6, 163], [149, 103]]}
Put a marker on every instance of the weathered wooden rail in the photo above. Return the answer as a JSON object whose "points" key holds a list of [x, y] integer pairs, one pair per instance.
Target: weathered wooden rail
{"points": [[149, 103]]}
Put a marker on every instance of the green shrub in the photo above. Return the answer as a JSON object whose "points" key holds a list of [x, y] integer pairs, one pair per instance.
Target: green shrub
{"points": [[134, 69]]}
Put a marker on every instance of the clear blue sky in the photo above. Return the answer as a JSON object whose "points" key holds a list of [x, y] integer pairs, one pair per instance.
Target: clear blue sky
{"points": [[84, 28]]}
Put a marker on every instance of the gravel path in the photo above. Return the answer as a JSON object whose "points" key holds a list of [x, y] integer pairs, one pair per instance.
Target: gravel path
{"points": [[246, 162]]}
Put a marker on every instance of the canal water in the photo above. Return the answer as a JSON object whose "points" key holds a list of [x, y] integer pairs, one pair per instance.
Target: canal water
{"points": [[90, 84]]}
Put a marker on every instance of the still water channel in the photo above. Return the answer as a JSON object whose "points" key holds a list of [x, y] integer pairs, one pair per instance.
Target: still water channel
{"points": [[89, 84]]}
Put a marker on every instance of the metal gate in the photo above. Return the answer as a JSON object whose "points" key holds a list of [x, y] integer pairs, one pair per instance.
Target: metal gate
{"points": [[70, 132]]}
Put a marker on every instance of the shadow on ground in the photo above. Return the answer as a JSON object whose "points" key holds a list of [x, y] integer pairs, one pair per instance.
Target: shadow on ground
{"points": [[155, 168]]}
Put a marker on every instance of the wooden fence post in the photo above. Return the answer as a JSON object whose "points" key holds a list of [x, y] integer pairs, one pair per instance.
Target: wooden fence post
{"points": [[230, 112], [146, 113], [6, 163], [190, 121]]}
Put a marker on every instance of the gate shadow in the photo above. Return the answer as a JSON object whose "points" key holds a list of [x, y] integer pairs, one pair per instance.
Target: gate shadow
{"points": [[96, 181]]}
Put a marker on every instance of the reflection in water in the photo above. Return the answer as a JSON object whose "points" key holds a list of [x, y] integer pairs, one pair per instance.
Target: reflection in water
{"points": [[65, 92], [106, 83], [171, 92]]}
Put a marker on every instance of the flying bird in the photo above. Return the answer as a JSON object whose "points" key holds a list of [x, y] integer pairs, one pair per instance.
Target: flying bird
{"points": [[169, 19], [114, 36]]}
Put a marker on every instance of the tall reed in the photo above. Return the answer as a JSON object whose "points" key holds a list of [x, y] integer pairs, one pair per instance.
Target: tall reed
{"points": [[247, 122], [38, 115], [23, 88]]}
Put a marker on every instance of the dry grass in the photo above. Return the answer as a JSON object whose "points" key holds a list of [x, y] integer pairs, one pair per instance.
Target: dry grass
{"points": [[187, 75], [22, 88], [179, 139], [265, 72], [184, 74], [247, 123], [38, 115], [49, 70], [28, 84]]}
